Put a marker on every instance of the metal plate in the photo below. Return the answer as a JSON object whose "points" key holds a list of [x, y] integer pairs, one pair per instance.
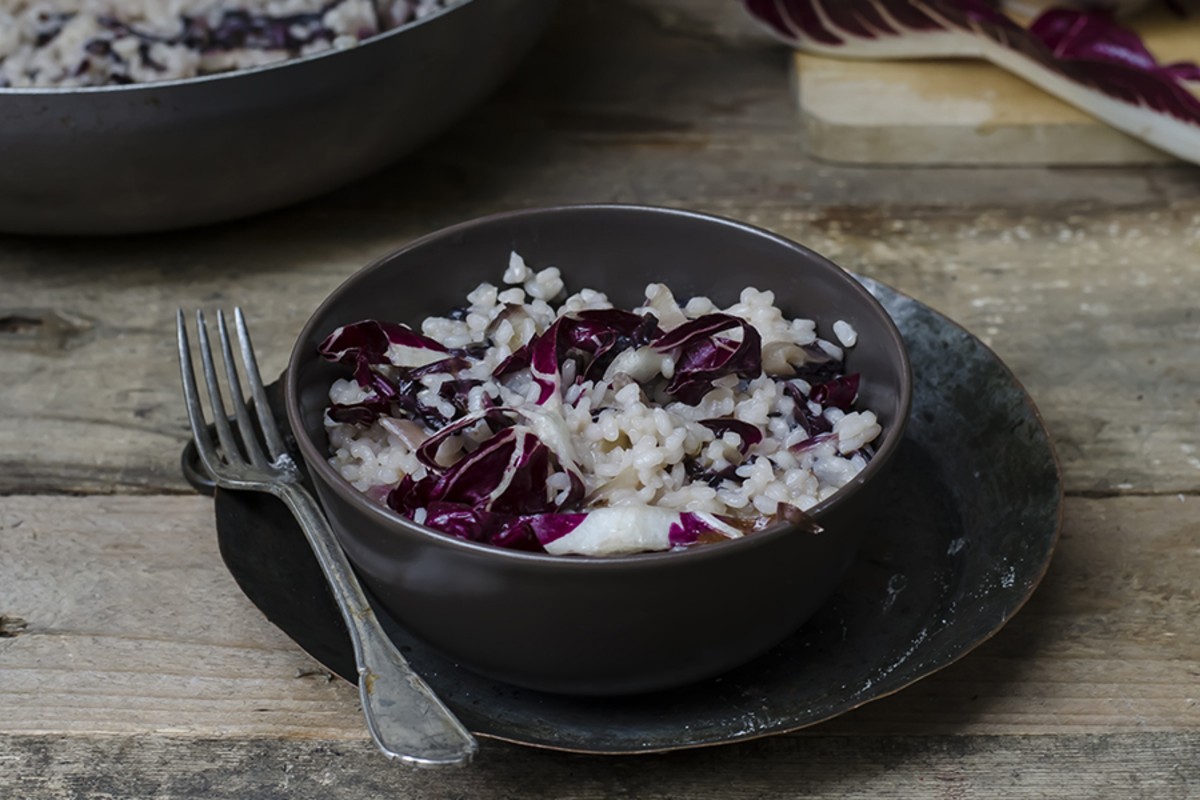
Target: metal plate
{"points": [[971, 517]]}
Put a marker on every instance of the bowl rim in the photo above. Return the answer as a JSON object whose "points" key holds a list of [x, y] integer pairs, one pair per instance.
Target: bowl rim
{"points": [[320, 469], [197, 80]]}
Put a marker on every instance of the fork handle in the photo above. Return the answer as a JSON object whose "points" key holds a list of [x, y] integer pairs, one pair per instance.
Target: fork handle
{"points": [[406, 719]]}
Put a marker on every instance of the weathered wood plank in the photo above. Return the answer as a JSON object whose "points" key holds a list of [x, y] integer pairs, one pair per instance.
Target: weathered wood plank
{"points": [[1096, 314], [1159, 766], [133, 626]]}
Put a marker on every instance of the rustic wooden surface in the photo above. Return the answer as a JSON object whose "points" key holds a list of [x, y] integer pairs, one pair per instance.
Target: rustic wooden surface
{"points": [[131, 666]]}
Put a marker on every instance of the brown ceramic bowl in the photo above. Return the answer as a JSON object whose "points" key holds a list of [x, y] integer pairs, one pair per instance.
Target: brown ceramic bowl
{"points": [[613, 625]]}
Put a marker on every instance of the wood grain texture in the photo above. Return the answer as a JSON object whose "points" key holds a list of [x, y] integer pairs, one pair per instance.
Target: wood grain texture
{"points": [[134, 626], [1128, 766]]}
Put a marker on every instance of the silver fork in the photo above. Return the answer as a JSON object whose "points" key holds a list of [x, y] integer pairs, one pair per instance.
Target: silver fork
{"points": [[405, 718]]}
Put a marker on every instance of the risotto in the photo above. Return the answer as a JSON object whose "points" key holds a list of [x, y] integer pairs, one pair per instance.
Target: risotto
{"points": [[96, 42], [533, 419]]}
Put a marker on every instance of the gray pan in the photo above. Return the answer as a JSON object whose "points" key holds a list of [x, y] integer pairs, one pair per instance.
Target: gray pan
{"points": [[135, 158]]}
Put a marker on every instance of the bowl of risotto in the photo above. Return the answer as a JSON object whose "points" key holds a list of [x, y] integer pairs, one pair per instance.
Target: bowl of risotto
{"points": [[600, 449], [125, 116]]}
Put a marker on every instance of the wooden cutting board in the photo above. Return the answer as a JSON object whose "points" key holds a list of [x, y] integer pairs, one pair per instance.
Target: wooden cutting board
{"points": [[943, 113]]}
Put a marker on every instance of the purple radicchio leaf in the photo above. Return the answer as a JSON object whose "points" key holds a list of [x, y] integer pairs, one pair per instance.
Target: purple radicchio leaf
{"points": [[370, 343], [812, 441], [830, 23], [410, 495], [702, 356], [1082, 56], [479, 525], [530, 532], [698, 473], [594, 336], [813, 423], [694, 528], [689, 529], [414, 499], [544, 361], [551, 527], [1094, 35], [516, 362], [371, 340], [400, 388], [605, 333], [508, 473], [818, 366], [749, 434], [841, 392], [474, 479], [362, 413], [496, 419]]}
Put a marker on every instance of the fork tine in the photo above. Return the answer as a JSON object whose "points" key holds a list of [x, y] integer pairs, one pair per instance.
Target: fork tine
{"points": [[216, 402], [262, 405], [245, 425], [191, 398]]}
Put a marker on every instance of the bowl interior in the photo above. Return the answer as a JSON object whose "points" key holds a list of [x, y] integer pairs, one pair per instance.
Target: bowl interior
{"points": [[617, 250]]}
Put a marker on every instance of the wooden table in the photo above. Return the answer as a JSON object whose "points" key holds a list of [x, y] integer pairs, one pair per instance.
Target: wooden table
{"points": [[131, 665]]}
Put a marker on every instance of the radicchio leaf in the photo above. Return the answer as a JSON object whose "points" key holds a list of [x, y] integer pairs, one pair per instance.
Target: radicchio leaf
{"points": [[613, 331], [516, 362], [689, 528], [812, 441], [479, 525], [813, 424], [362, 413], [702, 356], [1108, 71], [544, 361], [410, 495], [509, 473], [1093, 35], [551, 527], [530, 532], [495, 419], [838, 393], [594, 336], [818, 365], [496, 476], [749, 434], [373, 341]]}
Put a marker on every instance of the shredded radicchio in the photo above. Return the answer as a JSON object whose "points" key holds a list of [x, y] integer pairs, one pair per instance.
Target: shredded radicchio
{"points": [[703, 356], [509, 476]]}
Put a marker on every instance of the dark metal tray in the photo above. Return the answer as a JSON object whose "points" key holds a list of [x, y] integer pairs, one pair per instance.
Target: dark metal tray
{"points": [[966, 532]]}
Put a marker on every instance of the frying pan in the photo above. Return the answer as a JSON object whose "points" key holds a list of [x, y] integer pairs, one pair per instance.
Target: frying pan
{"points": [[157, 156]]}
